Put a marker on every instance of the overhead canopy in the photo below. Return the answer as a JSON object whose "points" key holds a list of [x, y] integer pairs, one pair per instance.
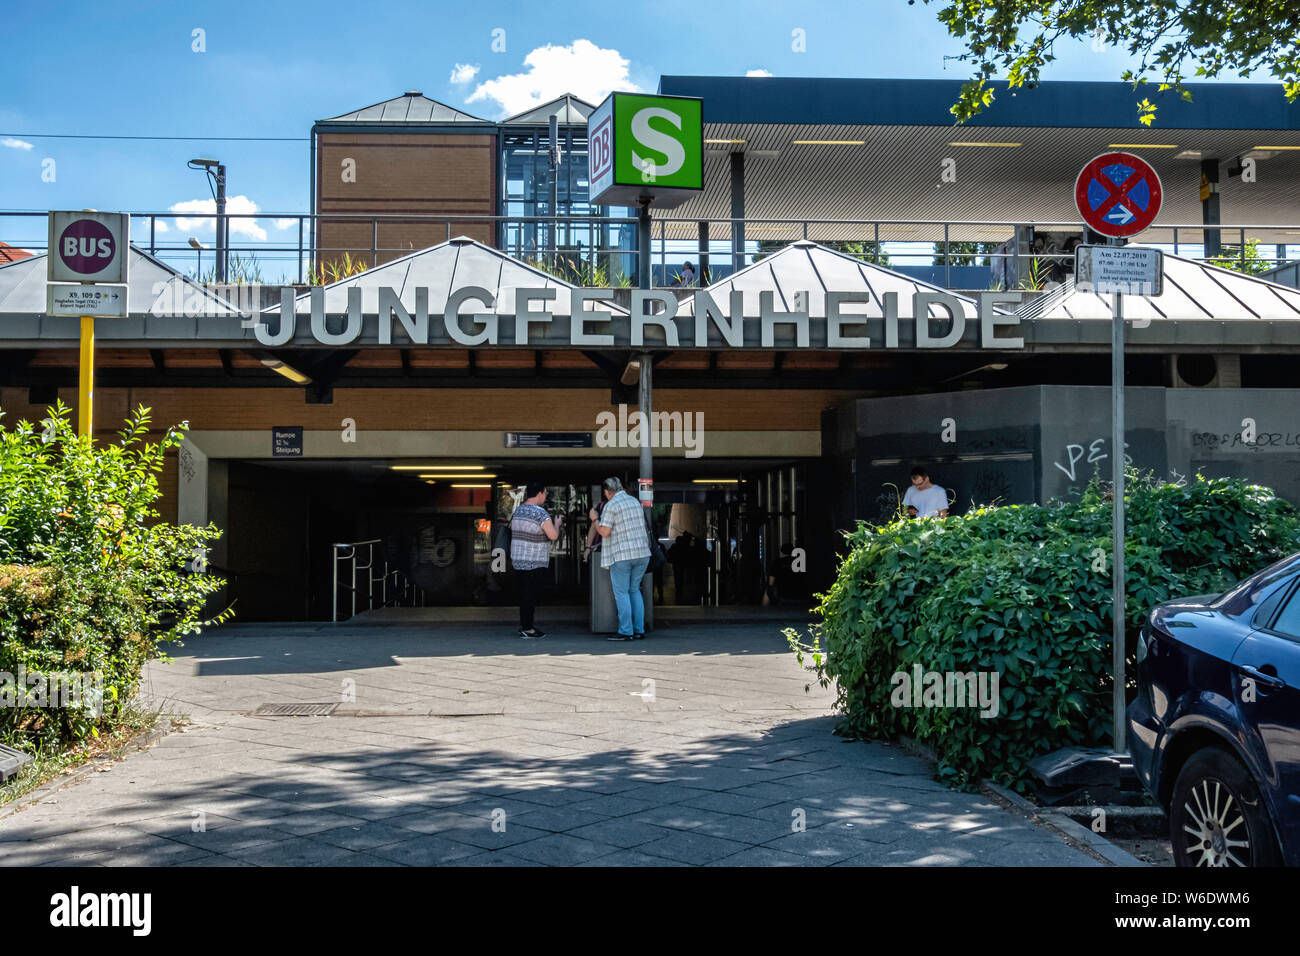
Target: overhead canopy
{"points": [[1193, 292], [805, 266], [1212, 310], [441, 269], [153, 288], [875, 149]]}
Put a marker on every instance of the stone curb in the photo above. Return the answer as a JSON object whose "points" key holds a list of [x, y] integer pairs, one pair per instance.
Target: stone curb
{"points": [[1094, 841], [1077, 831], [51, 787]]}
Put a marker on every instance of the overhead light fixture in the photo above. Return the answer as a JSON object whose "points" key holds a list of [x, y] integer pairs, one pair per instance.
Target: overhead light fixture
{"points": [[1258, 154], [631, 372], [725, 142], [447, 476], [437, 467], [1275, 147], [288, 371], [1141, 145], [715, 481], [828, 142], [1189, 154], [990, 367], [981, 143], [471, 486]]}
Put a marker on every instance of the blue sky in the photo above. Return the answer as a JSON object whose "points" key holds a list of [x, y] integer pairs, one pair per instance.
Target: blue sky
{"points": [[270, 69]]}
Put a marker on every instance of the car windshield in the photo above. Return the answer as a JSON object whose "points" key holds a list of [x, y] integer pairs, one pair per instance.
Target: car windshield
{"points": [[1246, 596]]}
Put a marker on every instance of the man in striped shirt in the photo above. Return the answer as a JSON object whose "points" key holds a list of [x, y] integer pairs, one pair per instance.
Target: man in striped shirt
{"points": [[626, 552], [531, 534]]}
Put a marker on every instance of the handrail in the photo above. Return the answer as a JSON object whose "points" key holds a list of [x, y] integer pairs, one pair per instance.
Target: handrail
{"points": [[406, 589], [552, 230]]}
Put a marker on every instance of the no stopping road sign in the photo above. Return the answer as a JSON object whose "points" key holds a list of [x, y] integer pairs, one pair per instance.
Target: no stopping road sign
{"points": [[1118, 194]]}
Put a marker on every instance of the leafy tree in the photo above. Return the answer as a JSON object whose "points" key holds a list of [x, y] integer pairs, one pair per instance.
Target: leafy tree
{"points": [[866, 251], [1252, 263], [963, 253], [1017, 38]]}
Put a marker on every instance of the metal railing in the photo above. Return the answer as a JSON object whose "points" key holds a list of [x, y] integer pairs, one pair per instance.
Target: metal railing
{"points": [[404, 592], [726, 244], [565, 237]]}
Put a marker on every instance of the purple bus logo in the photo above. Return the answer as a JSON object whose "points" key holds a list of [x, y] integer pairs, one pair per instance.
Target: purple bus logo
{"points": [[87, 247]]}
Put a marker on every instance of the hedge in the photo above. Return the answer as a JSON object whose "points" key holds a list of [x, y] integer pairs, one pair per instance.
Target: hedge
{"points": [[1023, 593]]}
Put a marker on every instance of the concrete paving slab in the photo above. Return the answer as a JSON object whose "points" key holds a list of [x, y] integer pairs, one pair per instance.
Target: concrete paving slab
{"points": [[441, 724]]}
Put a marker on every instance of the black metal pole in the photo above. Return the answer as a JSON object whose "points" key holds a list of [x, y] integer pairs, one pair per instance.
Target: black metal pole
{"points": [[223, 228], [643, 241], [1210, 205]]}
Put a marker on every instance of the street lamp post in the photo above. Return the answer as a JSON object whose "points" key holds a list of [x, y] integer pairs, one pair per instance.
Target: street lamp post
{"points": [[217, 182], [198, 248]]}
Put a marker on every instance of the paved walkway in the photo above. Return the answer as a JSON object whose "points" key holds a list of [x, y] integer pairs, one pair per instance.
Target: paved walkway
{"points": [[465, 745]]}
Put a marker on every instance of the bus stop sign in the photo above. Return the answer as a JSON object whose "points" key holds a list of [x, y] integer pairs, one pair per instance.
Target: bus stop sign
{"points": [[88, 247], [1118, 194]]}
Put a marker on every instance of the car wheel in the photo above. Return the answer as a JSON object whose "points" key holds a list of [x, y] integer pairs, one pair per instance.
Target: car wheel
{"points": [[1216, 816]]}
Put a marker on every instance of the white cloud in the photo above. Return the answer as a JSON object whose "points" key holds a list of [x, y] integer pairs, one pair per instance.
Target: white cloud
{"points": [[582, 69], [235, 205], [15, 143], [758, 72], [285, 223], [463, 72], [160, 225]]}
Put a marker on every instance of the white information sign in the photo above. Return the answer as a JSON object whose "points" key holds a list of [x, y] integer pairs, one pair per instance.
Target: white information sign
{"points": [[1129, 270], [106, 300]]}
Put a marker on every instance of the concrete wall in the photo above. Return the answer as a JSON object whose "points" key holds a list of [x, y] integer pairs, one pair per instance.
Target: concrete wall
{"points": [[1037, 443], [979, 445], [1075, 435], [1205, 433]]}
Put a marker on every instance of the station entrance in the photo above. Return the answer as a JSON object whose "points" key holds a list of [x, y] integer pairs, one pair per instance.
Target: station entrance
{"points": [[438, 530]]}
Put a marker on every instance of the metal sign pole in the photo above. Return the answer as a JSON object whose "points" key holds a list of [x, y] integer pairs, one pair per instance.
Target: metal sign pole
{"points": [[86, 376], [1117, 530]]}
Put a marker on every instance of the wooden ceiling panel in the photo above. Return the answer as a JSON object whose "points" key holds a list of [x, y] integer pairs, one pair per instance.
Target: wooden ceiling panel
{"points": [[376, 358]]}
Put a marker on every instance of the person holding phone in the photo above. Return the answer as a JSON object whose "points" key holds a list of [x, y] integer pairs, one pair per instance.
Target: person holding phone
{"points": [[925, 499]]}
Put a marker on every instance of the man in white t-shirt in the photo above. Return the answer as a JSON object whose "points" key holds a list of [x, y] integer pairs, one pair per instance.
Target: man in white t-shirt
{"points": [[925, 499]]}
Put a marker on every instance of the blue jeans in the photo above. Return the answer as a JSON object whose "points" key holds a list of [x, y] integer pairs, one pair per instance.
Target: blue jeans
{"points": [[625, 576]]}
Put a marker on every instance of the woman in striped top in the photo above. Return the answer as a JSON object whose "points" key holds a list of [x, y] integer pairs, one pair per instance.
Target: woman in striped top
{"points": [[531, 534]]}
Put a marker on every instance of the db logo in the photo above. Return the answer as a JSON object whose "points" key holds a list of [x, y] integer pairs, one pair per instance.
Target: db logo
{"points": [[87, 247], [602, 153]]}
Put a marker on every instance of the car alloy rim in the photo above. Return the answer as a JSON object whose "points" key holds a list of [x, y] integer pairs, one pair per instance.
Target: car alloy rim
{"points": [[1218, 827]]}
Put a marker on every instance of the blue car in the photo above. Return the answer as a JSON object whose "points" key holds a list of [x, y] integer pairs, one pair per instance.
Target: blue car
{"points": [[1215, 728]]}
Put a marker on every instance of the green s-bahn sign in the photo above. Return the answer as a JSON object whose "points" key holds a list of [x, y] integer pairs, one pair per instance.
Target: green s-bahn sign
{"points": [[641, 146]]}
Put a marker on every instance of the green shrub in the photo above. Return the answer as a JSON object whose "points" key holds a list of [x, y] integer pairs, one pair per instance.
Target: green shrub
{"points": [[1024, 592], [90, 582]]}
